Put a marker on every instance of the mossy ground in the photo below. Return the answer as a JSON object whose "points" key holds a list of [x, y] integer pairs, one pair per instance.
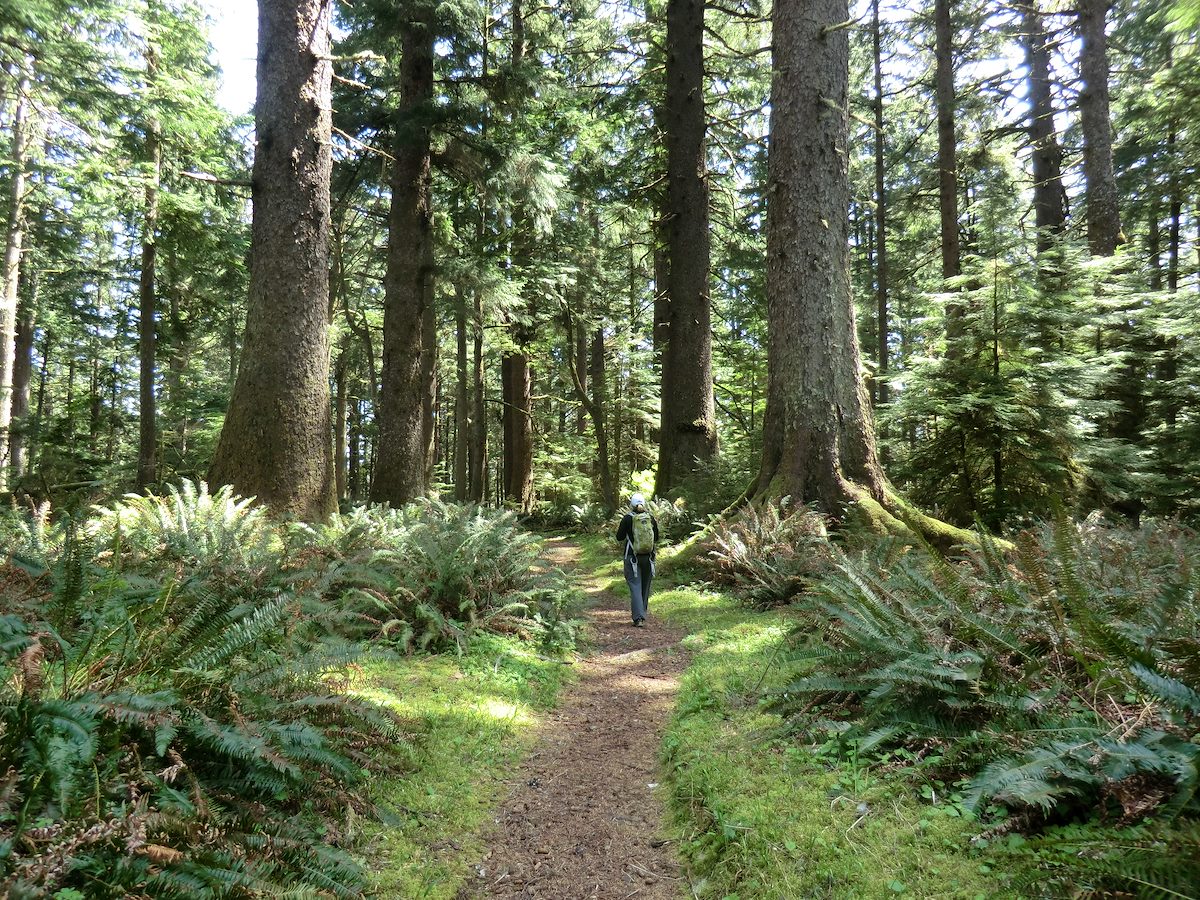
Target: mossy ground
{"points": [[758, 815], [755, 815], [471, 719]]}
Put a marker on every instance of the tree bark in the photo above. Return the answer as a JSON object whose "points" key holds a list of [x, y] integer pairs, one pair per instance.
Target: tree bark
{"points": [[354, 450], [42, 409], [688, 421], [340, 420], [518, 416], [20, 434], [275, 443], [947, 141], [881, 265], [178, 357], [819, 445], [430, 388], [13, 239], [462, 417], [1103, 211], [1049, 197], [507, 421], [147, 469], [403, 438], [581, 366], [478, 461]]}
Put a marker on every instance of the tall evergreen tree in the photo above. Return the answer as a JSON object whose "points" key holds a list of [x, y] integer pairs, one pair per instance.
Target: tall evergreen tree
{"points": [[688, 428], [819, 444], [1103, 212], [1049, 196], [400, 473], [14, 237], [147, 287], [276, 441]]}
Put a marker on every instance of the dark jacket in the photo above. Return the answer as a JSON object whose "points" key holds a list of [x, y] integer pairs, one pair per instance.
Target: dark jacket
{"points": [[625, 531]]}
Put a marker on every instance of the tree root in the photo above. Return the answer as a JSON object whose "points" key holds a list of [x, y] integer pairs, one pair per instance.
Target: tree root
{"points": [[893, 517], [897, 518]]}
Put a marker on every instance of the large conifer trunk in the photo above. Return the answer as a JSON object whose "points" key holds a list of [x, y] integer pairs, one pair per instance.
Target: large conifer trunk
{"points": [[688, 427], [20, 434], [947, 140], [401, 468], [276, 440], [881, 205], [147, 471], [1049, 196], [519, 453], [819, 444], [462, 417], [14, 236], [1103, 213]]}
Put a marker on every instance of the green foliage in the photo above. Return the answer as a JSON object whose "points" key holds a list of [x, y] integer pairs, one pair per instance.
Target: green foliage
{"points": [[995, 416], [1061, 683], [430, 575], [173, 693], [166, 742], [756, 817], [1137, 861], [212, 532], [768, 553]]}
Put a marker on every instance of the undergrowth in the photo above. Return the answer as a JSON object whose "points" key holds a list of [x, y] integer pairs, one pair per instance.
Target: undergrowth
{"points": [[430, 575], [768, 554], [757, 816], [175, 712], [1058, 687]]}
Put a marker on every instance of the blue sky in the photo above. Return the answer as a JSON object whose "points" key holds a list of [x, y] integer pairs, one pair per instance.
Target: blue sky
{"points": [[235, 38]]}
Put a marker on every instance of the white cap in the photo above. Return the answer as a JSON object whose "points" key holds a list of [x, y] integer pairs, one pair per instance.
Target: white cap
{"points": [[636, 500]]}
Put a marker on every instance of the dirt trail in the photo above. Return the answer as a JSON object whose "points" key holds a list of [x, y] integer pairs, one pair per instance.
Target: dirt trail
{"points": [[584, 819]]}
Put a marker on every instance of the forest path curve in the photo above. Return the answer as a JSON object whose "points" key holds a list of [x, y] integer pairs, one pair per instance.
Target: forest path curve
{"points": [[584, 817]]}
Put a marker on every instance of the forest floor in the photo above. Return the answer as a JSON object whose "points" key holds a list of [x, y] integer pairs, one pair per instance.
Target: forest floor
{"points": [[584, 818]]}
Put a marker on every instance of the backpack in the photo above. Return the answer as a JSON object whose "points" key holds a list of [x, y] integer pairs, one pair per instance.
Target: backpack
{"points": [[642, 534]]}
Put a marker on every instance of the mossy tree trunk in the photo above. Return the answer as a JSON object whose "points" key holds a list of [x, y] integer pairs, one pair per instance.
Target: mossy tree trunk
{"points": [[276, 442]]}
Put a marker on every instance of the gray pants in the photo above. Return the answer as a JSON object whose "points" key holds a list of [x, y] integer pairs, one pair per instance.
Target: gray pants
{"points": [[639, 572]]}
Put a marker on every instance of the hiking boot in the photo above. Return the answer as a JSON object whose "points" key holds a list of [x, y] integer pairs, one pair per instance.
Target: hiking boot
{"points": [[639, 623]]}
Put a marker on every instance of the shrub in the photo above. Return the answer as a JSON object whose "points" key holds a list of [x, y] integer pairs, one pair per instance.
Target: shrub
{"points": [[1089, 861], [718, 481], [217, 532], [171, 714], [431, 574], [768, 554], [161, 742], [1063, 681], [32, 537]]}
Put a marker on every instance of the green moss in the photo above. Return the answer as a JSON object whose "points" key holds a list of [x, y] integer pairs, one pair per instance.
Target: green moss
{"points": [[471, 720], [757, 816], [940, 534]]}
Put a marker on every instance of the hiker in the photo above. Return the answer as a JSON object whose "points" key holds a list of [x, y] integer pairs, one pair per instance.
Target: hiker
{"points": [[639, 533]]}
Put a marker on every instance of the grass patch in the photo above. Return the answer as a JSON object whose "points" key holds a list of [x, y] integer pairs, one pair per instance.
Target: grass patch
{"points": [[759, 817], [472, 718], [599, 557]]}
